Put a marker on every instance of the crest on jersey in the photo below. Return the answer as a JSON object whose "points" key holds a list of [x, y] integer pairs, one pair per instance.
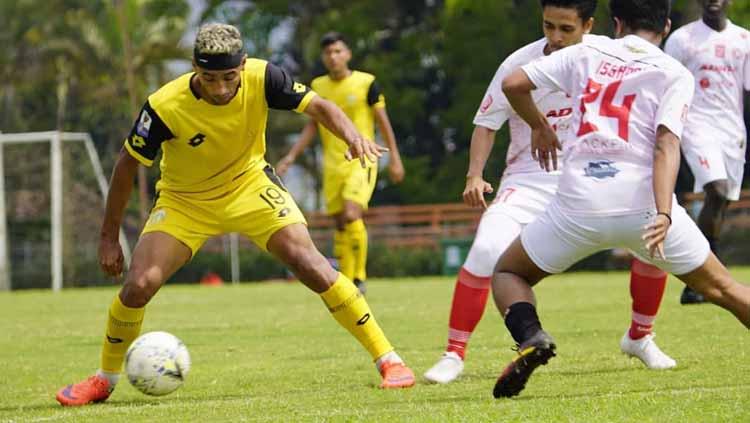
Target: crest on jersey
{"points": [[601, 169], [144, 124], [720, 50]]}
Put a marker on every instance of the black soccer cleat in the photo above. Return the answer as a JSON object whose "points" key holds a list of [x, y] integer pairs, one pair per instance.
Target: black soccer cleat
{"points": [[531, 354], [690, 296]]}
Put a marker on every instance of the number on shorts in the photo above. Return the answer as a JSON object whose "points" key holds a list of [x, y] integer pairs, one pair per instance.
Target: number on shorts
{"points": [[272, 197], [504, 194]]}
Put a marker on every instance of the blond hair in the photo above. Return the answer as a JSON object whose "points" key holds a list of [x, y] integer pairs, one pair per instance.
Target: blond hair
{"points": [[216, 38]]}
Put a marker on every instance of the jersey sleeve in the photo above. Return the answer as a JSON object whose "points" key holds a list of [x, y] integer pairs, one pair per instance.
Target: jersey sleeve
{"points": [[375, 97], [283, 92], [675, 103], [556, 72], [673, 47], [495, 109], [146, 136]]}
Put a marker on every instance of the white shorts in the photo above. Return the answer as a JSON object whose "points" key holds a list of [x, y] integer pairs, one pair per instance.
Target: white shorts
{"points": [[557, 240], [711, 162], [520, 199]]}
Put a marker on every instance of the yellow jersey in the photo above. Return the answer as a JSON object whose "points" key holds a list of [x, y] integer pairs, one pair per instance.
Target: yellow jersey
{"points": [[207, 149], [356, 95]]}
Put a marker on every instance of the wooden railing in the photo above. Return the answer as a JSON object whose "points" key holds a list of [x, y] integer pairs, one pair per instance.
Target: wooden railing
{"points": [[426, 225]]}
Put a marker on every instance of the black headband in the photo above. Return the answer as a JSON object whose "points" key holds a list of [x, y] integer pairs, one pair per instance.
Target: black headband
{"points": [[221, 61]]}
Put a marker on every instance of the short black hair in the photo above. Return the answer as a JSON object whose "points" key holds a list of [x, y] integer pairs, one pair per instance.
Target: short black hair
{"points": [[585, 8], [332, 37], [648, 15]]}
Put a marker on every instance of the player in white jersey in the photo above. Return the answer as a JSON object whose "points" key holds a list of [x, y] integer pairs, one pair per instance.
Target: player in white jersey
{"points": [[617, 185], [524, 193], [717, 53]]}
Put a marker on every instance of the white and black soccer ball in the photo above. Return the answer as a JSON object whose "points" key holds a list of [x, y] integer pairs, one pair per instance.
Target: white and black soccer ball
{"points": [[157, 363]]}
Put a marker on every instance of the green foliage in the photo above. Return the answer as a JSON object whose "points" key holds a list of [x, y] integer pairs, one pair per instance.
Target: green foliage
{"points": [[385, 262]]}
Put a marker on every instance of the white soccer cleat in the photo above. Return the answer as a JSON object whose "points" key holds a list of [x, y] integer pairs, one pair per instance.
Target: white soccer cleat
{"points": [[646, 350], [446, 370]]}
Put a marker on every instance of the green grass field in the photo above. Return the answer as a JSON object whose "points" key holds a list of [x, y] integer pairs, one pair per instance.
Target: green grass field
{"points": [[271, 352]]}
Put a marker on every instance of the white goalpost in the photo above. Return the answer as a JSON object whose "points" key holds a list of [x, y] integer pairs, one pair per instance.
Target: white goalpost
{"points": [[57, 194]]}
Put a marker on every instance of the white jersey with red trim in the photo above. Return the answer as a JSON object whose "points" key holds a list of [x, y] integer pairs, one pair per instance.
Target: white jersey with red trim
{"points": [[495, 110], [720, 63], [624, 89]]}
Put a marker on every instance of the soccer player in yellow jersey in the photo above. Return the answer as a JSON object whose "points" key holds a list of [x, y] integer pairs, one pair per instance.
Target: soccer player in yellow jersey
{"points": [[348, 187], [210, 125]]}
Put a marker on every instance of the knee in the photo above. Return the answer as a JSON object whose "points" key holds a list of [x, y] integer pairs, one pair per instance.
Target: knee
{"points": [[483, 254], [141, 286], [303, 259]]}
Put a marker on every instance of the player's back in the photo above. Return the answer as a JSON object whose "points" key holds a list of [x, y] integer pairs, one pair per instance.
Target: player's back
{"points": [[624, 89]]}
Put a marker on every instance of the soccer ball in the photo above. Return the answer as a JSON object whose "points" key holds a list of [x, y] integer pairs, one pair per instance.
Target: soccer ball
{"points": [[157, 363]]}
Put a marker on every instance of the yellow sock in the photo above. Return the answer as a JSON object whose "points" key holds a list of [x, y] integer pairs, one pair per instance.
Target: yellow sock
{"points": [[349, 308], [123, 326], [343, 253], [358, 243]]}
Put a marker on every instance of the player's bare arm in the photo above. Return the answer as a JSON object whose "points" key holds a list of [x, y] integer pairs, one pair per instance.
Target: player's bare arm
{"points": [[123, 175], [334, 119], [305, 138], [482, 140], [395, 167], [544, 143], [666, 165]]}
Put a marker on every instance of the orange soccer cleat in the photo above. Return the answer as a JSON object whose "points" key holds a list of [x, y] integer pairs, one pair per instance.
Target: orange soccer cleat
{"points": [[396, 375], [94, 389]]}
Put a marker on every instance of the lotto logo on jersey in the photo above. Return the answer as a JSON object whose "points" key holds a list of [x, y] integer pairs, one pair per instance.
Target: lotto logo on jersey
{"points": [[601, 169]]}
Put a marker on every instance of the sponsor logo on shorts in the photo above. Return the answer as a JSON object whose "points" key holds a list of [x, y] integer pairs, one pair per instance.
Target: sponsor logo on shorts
{"points": [[601, 169], [157, 216]]}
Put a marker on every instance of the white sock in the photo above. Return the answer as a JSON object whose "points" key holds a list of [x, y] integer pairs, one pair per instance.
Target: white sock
{"points": [[113, 378], [389, 357]]}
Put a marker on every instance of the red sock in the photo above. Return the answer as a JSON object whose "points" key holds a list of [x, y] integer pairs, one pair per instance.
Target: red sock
{"points": [[469, 299], [647, 284]]}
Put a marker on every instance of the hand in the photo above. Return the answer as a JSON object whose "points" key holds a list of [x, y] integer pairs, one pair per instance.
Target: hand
{"points": [[110, 256], [544, 146], [474, 192], [396, 169], [360, 148], [283, 165], [655, 234]]}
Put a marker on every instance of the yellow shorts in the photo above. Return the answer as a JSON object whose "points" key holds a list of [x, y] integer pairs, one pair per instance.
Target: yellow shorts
{"points": [[349, 182], [257, 209]]}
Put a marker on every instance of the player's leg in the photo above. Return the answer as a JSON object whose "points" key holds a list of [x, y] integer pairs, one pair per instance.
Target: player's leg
{"points": [[689, 257], [714, 282], [707, 164], [647, 283], [155, 258], [550, 244], [293, 246], [495, 232], [355, 234], [710, 221], [358, 188]]}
